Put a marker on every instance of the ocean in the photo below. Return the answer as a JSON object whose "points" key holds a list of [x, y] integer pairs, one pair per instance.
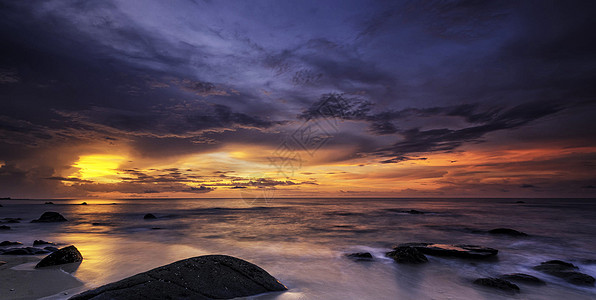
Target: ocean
{"points": [[303, 242]]}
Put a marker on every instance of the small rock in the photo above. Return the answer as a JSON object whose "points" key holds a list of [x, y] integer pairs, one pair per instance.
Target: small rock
{"points": [[4, 227], [520, 202], [84, 203], [407, 255], [9, 243], [41, 242], [2, 262], [414, 212], [523, 278], [149, 217], [360, 256], [49, 202], [507, 231], [50, 216], [65, 255], [497, 283], [461, 251], [566, 271]]}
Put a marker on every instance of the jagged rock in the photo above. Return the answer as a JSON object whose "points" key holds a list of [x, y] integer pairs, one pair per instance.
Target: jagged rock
{"points": [[565, 271], [507, 231], [50, 216], [523, 278], [65, 255], [461, 251], [360, 256], [149, 217], [4, 227], [407, 255], [497, 283], [202, 277], [9, 243]]}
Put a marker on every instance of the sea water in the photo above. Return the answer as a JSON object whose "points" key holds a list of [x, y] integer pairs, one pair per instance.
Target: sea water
{"points": [[302, 242]]}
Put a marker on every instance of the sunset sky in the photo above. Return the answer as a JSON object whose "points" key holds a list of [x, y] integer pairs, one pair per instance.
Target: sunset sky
{"points": [[126, 99]]}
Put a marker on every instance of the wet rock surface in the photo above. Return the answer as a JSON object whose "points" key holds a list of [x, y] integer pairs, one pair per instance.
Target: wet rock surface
{"points": [[202, 277], [407, 255], [566, 271], [360, 256], [65, 255], [523, 278], [460, 251], [497, 283]]}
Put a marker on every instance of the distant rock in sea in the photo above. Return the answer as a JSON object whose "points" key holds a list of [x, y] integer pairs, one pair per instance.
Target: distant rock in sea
{"points": [[407, 255], [202, 277], [49, 202], [461, 251], [520, 202], [523, 278], [507, 231], [149, 217], [497, 283], [360, 256], [84, 203], [9, 243], [50, 216], [565, 271], [12, 220], [4, 227], [23, 251], [41, 242], [65, 255]]}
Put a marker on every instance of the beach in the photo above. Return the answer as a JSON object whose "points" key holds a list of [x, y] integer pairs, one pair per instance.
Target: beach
{"points": [[304, 242]]}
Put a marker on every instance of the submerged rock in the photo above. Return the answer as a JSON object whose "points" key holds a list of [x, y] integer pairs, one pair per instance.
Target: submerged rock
{"points": [[4, 227], [149, 217], [497, 283], [65, 255], [9, 243], [50, 216], [360, 256], [23, 251], [12, 220], [407, 255], [523, 278], [461, 251], [565, 271], [202, 277], [507, 231]]}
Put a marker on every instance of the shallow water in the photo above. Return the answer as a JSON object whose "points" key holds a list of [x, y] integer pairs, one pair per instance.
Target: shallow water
{"points": [[302, 241]]}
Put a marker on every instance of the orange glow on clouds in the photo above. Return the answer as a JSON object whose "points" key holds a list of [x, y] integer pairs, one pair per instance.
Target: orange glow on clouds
{"points": [[99, 168]]}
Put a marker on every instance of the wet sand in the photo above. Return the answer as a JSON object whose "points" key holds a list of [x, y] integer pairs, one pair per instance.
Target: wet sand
{"points": [[19, 279]]}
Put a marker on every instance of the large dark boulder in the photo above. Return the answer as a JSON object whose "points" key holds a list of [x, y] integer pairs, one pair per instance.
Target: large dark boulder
{"points": [[497, 283], [523, 278], [565, 271], [149, 217], [50, 216], [407, 255], [65, 255], [507, 231], [202, 277], [461, 251], [360, 256]]}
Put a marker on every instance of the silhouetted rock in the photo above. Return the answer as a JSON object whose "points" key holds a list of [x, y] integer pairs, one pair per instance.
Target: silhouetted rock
{"points": [[84, 203], [9, 243], [1, 205], [565, 271], [12, 220], [202, 277], [49, 202], [50, 216], [462, 251], [41, 242], [65, 255], [507, 231], [407, 255], [2, 262], [523, 278], [360, 256], [520, 202], [149, 217], [4, 227], [497, 283]]}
